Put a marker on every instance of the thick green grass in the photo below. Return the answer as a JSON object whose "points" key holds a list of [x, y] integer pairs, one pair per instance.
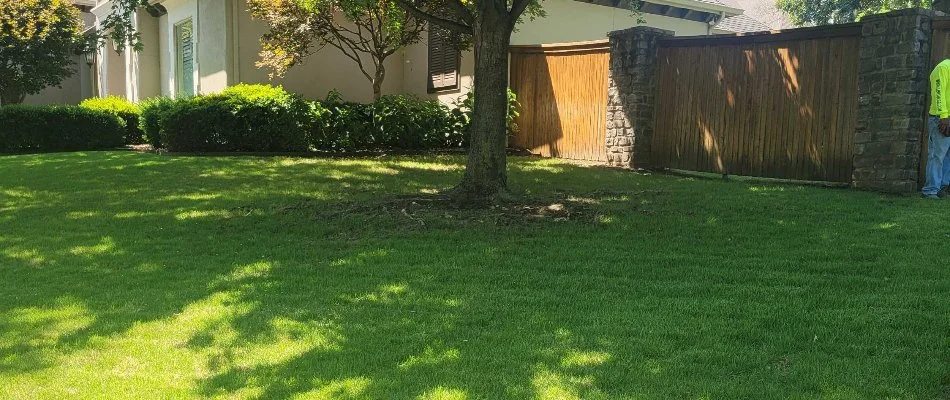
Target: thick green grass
{"points": [[130, 275]]}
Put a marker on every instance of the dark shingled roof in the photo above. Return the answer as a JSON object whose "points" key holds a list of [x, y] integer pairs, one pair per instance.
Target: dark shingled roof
{"points": [[716, 2], [764, 16], [741, 23]]}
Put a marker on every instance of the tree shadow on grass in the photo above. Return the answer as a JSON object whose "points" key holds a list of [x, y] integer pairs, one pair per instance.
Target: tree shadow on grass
{"points": [[139, 271]]}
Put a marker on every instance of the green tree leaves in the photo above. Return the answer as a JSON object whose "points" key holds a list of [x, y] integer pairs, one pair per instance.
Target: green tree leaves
{"points": [[365, 31], [822, 12], [38, 40]]}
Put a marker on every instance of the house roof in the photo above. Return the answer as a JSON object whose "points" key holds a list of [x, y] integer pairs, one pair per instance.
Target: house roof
{"points": [[757, 15], [714, 6], [712, 2], [741, 24], [706, 11]]}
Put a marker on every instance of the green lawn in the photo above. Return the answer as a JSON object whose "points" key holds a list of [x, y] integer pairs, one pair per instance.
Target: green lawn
{"points": [[129, 275]]}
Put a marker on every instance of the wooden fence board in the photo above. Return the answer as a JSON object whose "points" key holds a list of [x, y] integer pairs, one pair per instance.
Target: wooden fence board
{"points": [[776, 106], [563, 92]]}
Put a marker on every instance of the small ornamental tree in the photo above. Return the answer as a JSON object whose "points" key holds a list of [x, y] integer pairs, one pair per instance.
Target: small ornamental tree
{"points": [[357, 28], [38, 40]]}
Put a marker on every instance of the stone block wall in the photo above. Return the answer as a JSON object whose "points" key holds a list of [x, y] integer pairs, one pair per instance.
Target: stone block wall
{"points": [[893, 80], [631, 94]]}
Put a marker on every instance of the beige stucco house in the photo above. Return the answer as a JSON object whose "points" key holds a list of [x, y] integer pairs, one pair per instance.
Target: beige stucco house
{"points": [[203, 46]]}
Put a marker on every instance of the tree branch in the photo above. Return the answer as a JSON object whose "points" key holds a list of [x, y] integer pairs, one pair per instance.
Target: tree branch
{"points": [[343, 44], [445, 23], [377, 34], [356, 58], [461, 11], [517, 8]]}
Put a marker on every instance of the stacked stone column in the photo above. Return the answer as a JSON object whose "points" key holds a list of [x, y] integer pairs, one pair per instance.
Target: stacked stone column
{"points": [[893, 81], [631, 94]]}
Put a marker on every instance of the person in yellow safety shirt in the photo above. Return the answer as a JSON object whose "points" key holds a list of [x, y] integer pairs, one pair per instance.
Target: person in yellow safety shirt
{"points": [[938, 125]]}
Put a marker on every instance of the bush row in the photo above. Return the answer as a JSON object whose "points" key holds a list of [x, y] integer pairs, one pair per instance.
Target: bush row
{"points": [[240, 118], [392, 122], [264, 118], [123, 109], [58, 128]]}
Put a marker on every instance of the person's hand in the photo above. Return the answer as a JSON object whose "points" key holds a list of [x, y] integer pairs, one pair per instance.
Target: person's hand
{"points": [[945, 126]]}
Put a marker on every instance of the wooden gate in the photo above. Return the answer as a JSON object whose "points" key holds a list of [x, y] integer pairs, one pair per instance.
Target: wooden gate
{"points": [[562, 89], [780, 105]]}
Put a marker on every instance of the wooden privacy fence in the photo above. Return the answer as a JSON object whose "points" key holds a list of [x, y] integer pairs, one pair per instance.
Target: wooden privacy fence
{"points": [[780, 105], [563, 92]]}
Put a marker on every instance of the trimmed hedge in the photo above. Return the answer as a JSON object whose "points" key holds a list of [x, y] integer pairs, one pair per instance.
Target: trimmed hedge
{"points": [[58, 128], [122, 108], [263, 118], [401, 122], [340, 126], [152, 112], [410, 123], [242, 118]]}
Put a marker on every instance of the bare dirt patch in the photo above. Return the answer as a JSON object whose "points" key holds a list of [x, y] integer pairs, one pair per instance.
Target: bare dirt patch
{"points": [[425, 210]]}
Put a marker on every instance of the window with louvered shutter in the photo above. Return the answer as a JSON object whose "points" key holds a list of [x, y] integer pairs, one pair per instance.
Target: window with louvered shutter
{"points": [[443, 61]]}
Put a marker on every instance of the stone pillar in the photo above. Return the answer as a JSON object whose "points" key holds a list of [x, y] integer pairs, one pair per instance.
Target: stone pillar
{"points": [[893, 80], [631, 95]]}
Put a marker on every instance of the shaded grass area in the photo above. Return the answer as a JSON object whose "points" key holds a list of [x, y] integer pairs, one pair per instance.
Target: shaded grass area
{"points": [[135, 275]]}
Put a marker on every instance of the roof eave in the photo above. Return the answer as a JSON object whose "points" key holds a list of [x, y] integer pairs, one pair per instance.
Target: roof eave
{"points": [[701, 6]]}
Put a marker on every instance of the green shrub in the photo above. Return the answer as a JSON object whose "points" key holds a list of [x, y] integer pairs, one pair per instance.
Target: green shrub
{"points": [[342, 126], [410, 123], [263, 118], [401, 122], [122, 108], [152, 112], [249, 118], [58, 128]]}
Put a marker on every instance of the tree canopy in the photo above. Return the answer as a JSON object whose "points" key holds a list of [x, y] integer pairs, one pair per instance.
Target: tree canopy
{"points": [[822, 12], [38, 42]]}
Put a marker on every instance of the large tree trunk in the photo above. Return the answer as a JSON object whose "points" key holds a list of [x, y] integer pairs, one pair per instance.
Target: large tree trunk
{"points": [[486, 172]]}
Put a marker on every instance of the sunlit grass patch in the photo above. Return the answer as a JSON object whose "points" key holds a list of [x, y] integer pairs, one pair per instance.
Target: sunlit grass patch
{"points": [[81, 214], [444, 393], [199, 196], [576, 358], [30, 256], [431, 357], [106, 245], [42, 327], [200, 214]]}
